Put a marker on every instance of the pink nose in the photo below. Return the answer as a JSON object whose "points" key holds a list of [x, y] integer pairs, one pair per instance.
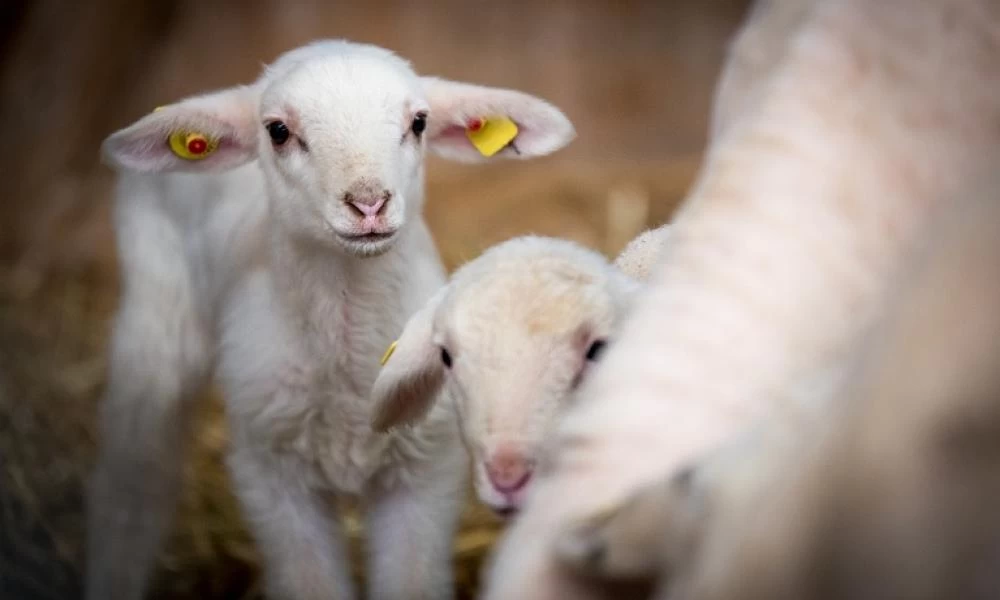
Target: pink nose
{"points": [[369, 206], [368, 196], [508, 471]]}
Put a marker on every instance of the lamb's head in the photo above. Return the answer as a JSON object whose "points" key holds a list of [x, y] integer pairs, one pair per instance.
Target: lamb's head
{"points": [[511, 337], [340, 130]]}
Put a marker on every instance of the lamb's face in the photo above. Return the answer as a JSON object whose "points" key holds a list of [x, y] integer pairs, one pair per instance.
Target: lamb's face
{"points": [[342, 147], [517, 343], [340, 130]]}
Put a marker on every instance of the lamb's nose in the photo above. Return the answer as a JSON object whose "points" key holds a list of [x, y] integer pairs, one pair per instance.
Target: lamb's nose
{"points": [[368, 204], [369, 209], [508, 471]]}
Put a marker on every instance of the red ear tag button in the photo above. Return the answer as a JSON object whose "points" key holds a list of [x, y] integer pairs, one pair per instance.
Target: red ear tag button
{"points": [[474, 125], [192, 146], [197, 145]]}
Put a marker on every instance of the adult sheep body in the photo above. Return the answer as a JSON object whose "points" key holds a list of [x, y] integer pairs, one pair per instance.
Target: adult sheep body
{"points": [[281, 259], [837, 142]]}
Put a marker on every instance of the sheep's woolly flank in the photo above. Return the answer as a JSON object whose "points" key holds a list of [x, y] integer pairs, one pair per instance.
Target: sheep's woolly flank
{"points": [[521, 325], [894, 486], [836, 144], [282, 263], [896, 483]]}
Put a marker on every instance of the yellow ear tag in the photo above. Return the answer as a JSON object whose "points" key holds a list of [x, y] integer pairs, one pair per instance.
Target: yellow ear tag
{"points": [[388, 353], [192, 146], [490, 136]]}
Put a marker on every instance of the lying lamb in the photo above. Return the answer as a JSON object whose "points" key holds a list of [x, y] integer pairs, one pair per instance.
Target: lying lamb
{"points": [[273, 233], [836, 144], [511, 337]]}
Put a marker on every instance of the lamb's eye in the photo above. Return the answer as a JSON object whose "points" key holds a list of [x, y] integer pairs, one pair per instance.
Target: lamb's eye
{"points": [[419, 124], [278, 131], [595, 350], [445, 358]]}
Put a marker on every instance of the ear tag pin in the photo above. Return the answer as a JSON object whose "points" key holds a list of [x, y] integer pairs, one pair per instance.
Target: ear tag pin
{"points": [[388, 353], [490, 136], [192, 146]]}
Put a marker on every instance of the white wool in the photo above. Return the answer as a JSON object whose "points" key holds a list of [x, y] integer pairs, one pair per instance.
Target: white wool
{"points": [[890, 491]]}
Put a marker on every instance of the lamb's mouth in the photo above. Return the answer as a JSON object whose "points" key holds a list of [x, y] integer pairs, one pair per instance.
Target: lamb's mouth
{"points": [[371, 236], [505, 512]]}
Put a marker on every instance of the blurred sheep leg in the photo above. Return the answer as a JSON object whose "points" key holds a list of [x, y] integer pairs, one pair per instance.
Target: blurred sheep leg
{"points": [[411, 522], [159, 360], [295, 526]]}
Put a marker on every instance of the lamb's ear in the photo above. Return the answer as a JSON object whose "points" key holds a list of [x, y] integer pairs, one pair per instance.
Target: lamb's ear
{"points": [[642, 254], [412, 375], [209, 133], [539, 128]]}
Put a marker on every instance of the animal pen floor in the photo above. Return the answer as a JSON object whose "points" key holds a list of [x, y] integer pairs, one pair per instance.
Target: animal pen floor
{"points": [[635, 77]]}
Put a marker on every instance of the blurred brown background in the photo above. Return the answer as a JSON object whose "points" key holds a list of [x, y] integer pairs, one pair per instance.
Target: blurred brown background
{"points": [[635, 77]]}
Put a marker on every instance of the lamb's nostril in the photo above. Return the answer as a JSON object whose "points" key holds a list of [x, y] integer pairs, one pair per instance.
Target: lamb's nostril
{"points": [[369, 207], [367, 198]]}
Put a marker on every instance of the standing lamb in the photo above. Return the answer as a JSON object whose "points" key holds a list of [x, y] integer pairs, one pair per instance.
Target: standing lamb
{"points": [[271, 235], [842, 131], [511, 337]]}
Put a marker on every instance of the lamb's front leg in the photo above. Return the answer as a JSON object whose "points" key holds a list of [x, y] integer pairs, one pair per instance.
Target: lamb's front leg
{"points": [[411, 526], [295, 527]]}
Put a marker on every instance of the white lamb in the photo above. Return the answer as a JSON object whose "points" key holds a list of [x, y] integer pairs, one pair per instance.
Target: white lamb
{"points": [[288, 262], [513, 334]]}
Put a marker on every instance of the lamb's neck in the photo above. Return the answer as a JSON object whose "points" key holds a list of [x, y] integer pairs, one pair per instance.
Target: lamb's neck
{"points": [[312, 280]]}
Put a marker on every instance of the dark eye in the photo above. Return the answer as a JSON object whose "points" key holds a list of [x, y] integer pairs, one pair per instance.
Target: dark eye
{"points": [[595, 350], [278, 131], [445, 358], [419, 124]]}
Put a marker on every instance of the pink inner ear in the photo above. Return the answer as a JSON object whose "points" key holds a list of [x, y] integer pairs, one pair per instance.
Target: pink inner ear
{"points": [[145, 147], [453, 134], [156, 149]]}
